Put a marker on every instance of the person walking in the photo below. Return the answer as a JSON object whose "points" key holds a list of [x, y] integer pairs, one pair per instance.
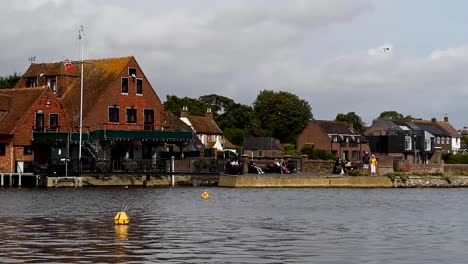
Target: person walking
{"points": [[373, 165]]}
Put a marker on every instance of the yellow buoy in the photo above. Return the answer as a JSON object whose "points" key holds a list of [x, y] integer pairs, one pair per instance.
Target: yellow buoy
{"points": [[205, 195], [121, 218]]}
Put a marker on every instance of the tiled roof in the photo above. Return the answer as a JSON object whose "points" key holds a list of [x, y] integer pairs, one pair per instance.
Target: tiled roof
{"points": [[431, 127], [449, 128], [228, 144], [98, 76], [204, 125], [336, 127], [173, 123], [17, 102], [55, 68], [261, 143]]}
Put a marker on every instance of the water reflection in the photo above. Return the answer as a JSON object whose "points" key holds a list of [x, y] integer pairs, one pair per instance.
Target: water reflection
{"points": [[234, 226]]}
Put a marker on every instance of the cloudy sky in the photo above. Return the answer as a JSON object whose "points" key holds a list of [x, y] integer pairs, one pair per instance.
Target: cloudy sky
{"points": [[363, 56]]}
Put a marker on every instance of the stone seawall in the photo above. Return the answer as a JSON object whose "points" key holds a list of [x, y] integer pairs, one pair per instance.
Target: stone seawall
{"points": [[248, 181], [430, 181], [146, 181]]}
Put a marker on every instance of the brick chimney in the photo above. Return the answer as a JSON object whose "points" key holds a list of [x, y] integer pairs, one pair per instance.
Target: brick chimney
{"points": [[446, 118], [434, 120], [209, 113], [184, 112]]}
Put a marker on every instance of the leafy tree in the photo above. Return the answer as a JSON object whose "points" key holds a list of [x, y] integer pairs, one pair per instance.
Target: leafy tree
{"points": [[236, 115], [9, 81], [217, 103], [175, 105], [235, 135], [393, 115], [281, 115], [354, 119]]}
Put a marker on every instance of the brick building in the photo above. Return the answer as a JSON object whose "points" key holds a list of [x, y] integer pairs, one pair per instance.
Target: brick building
{"points": [[339, 138], [123, 117], [22, 112]]}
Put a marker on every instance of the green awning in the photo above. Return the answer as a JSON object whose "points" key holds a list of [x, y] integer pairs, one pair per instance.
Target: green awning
{"points": [[58, 136], [143, 134], [115, 134]]}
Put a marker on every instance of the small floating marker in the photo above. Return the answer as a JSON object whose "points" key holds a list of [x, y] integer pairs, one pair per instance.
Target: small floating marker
{"points": [[205, 195], [121, 218]]}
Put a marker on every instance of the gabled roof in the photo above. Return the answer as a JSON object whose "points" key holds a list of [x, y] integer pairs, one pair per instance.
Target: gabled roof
{"points": [[98, 76], [336, 127], [431, 127], [203, 125], [449, 128], [54, 68], [228, 144], [261, 143], [173, 123], [15, 104]]}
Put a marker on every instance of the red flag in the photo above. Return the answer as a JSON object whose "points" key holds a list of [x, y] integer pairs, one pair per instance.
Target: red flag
{"points": [[68, 65]]}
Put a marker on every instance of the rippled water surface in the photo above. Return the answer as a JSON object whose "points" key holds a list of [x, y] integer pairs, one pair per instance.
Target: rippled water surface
{"points": [[175, 225]]}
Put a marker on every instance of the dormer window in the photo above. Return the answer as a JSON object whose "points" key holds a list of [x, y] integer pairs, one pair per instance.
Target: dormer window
{"points": [[132, 72], [52, 83], [124, 85], [31, 82], [139, 86]]}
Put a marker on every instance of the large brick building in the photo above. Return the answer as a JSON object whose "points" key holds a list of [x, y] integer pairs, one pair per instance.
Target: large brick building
{"points": [[123, 117]]}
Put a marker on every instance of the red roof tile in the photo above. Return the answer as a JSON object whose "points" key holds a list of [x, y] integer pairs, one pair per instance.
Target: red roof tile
{"points": [[16, 103]]}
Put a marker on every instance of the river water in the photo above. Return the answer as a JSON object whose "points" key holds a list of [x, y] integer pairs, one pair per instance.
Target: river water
{"points": [[174, 225]]}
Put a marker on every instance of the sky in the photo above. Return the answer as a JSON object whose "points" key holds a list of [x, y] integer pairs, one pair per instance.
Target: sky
{"points": [[362, 56]]}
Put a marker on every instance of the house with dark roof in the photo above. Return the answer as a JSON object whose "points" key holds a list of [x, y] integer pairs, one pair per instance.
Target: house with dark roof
{"points": [[24, 111], [401, 140], [454, 135], [122, 116], [207, 131], [262, 147], [336, 137]]}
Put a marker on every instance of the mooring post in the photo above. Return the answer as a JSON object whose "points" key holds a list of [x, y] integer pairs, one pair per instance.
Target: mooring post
{"points": [[172, 170], [1, 181], [11, 180], [19, 180], [37, 181]]}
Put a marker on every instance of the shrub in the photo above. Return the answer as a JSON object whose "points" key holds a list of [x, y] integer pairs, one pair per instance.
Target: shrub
{"points": [[313, 153]]}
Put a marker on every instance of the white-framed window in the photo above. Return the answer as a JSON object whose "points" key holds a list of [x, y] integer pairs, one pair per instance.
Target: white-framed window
{"points": [[438, 140], [52, 83], [407, 142], [132, 71], [447, 140], [442, 140], [427, 144], [335, 138]]}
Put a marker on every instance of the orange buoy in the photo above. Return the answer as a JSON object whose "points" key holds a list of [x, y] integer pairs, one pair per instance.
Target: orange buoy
{"points": [[205, 195]]}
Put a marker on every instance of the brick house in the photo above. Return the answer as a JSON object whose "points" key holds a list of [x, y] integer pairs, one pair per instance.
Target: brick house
{"points": [[122, 114], [339, 138], [22, 112]]}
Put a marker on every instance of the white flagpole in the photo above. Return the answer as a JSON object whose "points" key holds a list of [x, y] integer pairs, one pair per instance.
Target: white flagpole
{"points": [[80, 32]]}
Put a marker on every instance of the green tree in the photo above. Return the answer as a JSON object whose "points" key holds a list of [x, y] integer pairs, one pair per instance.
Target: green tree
{"points": [[353, 119], [9, 81], [281, 114], [393, 115], [235, 135], [217, 103], [175, 105]]}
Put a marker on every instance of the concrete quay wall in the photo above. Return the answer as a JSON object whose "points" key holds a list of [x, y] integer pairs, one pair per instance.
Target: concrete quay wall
{"points": [[248, 181]]}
